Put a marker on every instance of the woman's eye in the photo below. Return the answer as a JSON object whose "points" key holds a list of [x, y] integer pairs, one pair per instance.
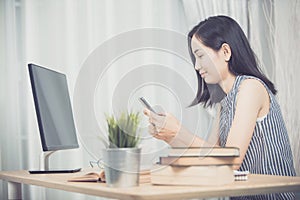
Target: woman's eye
{"points": [[199, 56]]}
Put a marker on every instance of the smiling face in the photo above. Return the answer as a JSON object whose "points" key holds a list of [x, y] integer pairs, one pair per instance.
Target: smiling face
{"points": [[211, 65]]}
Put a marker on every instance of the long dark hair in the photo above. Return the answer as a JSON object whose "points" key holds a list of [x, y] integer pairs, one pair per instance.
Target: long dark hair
{"points": [[213, 32]]}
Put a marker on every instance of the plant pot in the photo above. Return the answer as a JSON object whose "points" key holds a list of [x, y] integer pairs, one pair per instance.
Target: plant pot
{"points": [[122, 166]]}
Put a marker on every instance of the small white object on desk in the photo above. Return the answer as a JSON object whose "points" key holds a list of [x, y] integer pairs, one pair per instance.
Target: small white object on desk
{"points": [[240, 175]]}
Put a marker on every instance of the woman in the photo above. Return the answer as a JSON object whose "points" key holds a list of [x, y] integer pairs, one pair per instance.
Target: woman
{"points": [[249, 115]]}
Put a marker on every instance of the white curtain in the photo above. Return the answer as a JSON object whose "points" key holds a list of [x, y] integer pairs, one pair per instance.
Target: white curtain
{"points": [[198, 10], [272, 27], [287, 61], [64, 36]]}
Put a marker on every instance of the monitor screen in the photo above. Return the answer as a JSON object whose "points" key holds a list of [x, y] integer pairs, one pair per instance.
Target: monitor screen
{"points": [[53, 108]]}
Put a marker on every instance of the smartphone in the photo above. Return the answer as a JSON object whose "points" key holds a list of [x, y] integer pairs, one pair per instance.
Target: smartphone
{"points": [[147, 105]]}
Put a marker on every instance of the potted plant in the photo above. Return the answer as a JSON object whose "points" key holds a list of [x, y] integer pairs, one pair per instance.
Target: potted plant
{"points": [[122, 157]]}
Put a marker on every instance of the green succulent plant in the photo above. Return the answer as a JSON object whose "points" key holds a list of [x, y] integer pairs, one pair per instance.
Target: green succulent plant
{"points": [[123, 131]]}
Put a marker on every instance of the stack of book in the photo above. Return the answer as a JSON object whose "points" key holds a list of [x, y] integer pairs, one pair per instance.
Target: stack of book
{"points": [[196, 166]]}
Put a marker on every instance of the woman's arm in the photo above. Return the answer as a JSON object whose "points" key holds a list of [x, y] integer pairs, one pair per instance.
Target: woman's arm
{"points": [[252, 102], [166, 127]]}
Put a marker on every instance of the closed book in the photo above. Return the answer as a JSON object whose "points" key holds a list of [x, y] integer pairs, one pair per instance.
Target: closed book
{"points": [[192, 175], [204, 151], [194, 160]]}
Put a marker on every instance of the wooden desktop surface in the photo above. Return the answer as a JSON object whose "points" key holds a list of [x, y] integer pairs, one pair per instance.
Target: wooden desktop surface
{"points": [[256, 184]]}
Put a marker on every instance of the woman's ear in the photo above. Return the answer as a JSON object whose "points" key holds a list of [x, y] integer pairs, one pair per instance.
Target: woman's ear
{"points": [[226, 50]]}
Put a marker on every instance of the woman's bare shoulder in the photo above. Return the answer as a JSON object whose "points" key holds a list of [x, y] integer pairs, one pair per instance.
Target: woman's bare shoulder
{"points": [[252, 87]]}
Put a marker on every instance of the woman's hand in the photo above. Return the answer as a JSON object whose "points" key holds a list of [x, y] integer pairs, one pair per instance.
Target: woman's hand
{"points": [[163, 126]]}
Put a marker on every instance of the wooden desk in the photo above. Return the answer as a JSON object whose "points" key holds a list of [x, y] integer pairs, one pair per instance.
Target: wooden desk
{"points": [[256, 184]]}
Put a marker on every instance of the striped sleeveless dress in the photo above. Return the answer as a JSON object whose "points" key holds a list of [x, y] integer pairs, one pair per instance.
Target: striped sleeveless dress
{"points": [[269, 151]]}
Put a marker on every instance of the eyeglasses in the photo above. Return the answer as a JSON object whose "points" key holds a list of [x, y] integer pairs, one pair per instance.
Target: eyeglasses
{"points": [[99, 163]]}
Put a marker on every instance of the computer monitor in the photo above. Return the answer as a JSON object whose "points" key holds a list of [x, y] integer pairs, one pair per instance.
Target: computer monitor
{"points": [[53, 109]]}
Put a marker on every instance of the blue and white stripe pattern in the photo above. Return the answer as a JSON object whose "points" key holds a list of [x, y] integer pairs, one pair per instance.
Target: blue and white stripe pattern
{"points": [[269, 151]]}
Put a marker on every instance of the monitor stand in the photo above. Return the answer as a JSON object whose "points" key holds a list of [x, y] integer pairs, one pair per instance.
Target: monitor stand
{"points": [[44, 165], [44, 160]]}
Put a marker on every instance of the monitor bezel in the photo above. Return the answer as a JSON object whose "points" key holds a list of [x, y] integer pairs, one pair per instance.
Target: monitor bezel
{"points": [[46, 147]]}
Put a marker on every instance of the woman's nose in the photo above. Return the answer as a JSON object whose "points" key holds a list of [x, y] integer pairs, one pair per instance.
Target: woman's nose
{"points": [[197, 66]]}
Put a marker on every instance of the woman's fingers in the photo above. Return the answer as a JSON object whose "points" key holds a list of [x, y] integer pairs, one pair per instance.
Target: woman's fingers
{"points": [[159, 136], [157, 125], [155, 119], [147, 112], [152, 129]]}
